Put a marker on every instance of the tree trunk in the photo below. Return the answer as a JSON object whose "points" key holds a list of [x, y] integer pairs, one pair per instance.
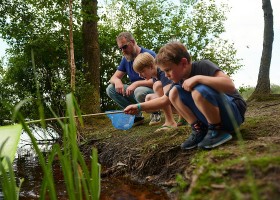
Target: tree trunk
{"points": [[91, 100], [262, 89], [72, 57]]}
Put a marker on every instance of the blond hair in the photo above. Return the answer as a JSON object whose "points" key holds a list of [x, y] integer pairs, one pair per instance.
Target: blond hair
{"points": [[142, 61], [172, 52]]}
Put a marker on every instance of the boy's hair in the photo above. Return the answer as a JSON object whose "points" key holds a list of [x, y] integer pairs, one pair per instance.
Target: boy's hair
{"points": [[172, 52], [142, 61], [127, 35]]}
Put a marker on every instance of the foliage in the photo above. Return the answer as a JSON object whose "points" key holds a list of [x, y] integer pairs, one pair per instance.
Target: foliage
{"points": [[198, 24], [8, 184], [246, 91], [43, 27], [81, 181], [8, 144]]}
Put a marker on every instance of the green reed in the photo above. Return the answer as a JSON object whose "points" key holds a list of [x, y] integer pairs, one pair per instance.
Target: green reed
{"points": [[81, 181], [8, 184]]}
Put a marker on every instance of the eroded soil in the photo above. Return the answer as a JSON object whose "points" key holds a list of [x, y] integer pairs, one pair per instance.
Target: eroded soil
{"points": [[246, 167]]}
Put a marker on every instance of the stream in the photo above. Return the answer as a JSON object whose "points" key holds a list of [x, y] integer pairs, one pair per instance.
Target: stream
{"points": [[26, 165]]}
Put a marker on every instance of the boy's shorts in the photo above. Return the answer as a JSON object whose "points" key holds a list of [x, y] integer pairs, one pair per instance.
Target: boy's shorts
{"points": [[228, 109]]}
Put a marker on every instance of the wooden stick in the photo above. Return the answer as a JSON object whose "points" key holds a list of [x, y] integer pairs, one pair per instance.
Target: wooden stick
{"points": [[87, 115]]}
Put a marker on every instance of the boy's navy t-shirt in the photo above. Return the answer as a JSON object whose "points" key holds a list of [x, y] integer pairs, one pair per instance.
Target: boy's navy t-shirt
{"points": [[127, 67], [162, 78]]}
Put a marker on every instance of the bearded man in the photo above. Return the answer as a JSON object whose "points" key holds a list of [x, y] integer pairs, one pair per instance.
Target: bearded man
{"points": [[125, 94]]}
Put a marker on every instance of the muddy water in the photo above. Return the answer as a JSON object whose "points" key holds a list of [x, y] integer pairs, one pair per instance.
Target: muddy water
{"points": [[27, 166]]}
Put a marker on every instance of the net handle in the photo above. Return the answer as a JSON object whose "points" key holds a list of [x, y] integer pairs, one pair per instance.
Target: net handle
{"points": [[87, 115]]}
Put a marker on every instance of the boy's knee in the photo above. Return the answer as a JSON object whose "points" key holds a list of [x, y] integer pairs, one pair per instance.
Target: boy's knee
{"points": [[157, 85], [148, 97], [173, 94], [202, 89], [196, 95]]}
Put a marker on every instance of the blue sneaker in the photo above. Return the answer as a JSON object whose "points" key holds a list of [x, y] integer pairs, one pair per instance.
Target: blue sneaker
{"points": [[193, 140], [214, 138], [199, 131]]}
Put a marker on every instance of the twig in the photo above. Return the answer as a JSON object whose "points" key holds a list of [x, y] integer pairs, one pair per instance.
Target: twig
{"points": [[269, 105]]}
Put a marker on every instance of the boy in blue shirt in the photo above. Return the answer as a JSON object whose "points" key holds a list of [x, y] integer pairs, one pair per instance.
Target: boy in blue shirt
{"points": [[144, 65]]}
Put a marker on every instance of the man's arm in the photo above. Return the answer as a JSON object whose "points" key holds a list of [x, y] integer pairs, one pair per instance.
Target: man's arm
{"points": [[117, 76], [116, 80]]}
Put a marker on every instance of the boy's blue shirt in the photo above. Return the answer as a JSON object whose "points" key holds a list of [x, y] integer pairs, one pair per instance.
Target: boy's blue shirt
{"points": [[127, 67], [161, 77]]}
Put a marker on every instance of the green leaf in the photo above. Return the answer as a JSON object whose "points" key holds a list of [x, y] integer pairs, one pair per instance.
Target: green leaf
{"points": [[9, 139]]}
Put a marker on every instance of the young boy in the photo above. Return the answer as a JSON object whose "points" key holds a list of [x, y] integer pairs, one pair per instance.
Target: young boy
{"points": [[202, 94], [144, 65]]}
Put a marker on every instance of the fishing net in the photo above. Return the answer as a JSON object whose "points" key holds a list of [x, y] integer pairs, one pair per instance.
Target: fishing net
{"points": [[121, 120]]}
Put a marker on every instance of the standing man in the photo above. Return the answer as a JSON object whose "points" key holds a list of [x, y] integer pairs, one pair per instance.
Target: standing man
{"points": [[136, 91]]}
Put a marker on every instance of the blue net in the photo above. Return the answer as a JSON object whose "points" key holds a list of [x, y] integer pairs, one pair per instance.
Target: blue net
{"points": [[121, 120]]}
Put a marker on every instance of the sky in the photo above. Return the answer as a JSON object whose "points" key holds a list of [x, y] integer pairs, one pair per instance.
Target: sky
{"points": [[244, 27]]}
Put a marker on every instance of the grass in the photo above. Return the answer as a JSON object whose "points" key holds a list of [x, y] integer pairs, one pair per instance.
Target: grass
{"points": [[81, 182], [246, 91]]}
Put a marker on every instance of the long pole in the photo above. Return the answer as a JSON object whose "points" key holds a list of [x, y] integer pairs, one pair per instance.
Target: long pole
{"points": [[87, 115]]}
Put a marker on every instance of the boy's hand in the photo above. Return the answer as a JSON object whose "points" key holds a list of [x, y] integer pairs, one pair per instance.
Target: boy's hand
{"points": [[131, 109], [189, 83]]}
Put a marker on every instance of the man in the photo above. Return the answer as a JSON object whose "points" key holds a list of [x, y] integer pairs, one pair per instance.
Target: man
{"points": [[127, 94]]}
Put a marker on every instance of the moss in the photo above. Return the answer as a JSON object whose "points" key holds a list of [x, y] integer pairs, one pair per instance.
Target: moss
{"points": [[226, 172]]}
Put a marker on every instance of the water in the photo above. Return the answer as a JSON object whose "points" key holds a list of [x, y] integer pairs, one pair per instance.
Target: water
{"points": [[26, 166]]}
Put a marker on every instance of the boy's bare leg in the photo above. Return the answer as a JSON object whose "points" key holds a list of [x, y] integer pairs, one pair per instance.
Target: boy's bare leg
{"points": [[211, 112], [169, 120], [182, 110]]}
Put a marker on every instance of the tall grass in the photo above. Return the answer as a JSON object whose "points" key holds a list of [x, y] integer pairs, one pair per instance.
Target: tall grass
{"points": [[7, 177], [81, 181], [246, 91]]}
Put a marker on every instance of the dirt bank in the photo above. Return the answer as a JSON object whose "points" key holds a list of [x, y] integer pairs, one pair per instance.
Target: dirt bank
{"points": [[245, 167]]}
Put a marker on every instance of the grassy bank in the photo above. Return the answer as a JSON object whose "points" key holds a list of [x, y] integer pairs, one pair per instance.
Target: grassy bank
{"points": [[240, 169]]}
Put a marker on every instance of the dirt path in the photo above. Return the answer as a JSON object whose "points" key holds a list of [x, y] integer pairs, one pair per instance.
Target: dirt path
{"points": [[246, 169]]}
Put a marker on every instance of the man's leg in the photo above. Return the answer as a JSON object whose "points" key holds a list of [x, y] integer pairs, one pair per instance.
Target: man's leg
{"points": [[122, 101], [141, 92]]}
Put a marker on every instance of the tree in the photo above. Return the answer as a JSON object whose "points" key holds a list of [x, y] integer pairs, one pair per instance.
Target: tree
{"points": [[197, 24], [71, 43], [90, 99], [43, 25], [262, 89]]}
